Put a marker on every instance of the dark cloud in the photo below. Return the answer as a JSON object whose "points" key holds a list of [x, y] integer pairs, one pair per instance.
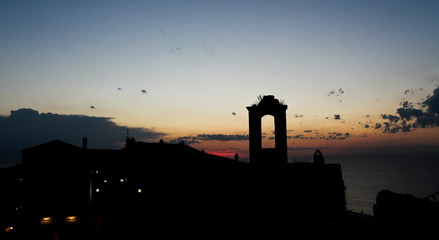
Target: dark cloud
{"points": [[210, 137], [390, 117], [222, 137], [329, 136], [186, 140], [433, 102], [26, 128], [299, 136], [409, 113], [337, 136], [409, 117], [338, 92]]}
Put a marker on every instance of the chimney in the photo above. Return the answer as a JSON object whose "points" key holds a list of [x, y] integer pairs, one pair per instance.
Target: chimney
{"points": [[84, 143]]}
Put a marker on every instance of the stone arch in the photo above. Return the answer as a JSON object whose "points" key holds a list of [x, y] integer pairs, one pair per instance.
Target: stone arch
{"points": [[268, 105], [267, 128]]}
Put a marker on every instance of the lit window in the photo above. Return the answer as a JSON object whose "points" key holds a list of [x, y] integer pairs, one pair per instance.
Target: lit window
{"points": [[105, 180], [71, 219], [122, 180], [97, 171], [139, 190], [97, 190], [46, 220]]}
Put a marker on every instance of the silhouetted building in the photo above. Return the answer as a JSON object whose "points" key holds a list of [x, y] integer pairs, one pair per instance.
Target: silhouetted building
{"points": [[150, 187], [69, 184], [268, 105]]}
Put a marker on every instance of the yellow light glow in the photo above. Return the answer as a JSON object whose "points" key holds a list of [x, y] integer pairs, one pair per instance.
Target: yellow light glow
{"points": [[71, 219], [10, 228], [46, 220], [139, 190], [97, 190]]}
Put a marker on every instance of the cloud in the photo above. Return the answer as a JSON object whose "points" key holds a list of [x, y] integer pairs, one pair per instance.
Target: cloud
{"points": [[337, 136], [433, 102], [409, 117], [338, 92], [210, 137], [222, 137], [301, 136], [186, 140], [26, 128], [329, 136]]}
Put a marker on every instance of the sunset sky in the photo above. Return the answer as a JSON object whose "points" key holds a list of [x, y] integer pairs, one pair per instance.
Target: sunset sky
{"points": [[338, 65]]}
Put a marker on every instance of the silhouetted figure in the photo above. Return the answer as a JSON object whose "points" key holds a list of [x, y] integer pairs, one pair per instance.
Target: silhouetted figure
{"points": [[318, 157], [236, 157]]}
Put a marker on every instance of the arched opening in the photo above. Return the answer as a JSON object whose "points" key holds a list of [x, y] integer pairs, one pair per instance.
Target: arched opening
{"points": [[267, 132]]}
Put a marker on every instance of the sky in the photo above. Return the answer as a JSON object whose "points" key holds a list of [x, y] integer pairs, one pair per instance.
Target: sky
{"points": [[186, 70]]}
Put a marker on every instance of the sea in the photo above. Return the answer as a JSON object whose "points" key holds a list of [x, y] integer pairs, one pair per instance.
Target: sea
{"points": [[364, 178]]}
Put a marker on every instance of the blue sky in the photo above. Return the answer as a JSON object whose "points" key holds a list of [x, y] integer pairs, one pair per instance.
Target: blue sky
{"points": [[200, 61]]}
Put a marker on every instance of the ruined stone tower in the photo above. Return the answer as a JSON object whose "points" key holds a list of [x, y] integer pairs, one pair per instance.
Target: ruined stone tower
{"points": [[268, 105]]}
